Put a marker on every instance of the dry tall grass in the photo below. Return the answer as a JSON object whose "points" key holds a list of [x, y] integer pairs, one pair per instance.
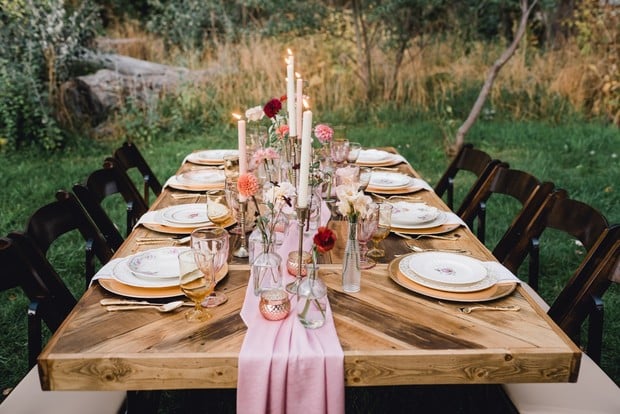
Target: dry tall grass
{"points": [[252, 71]]}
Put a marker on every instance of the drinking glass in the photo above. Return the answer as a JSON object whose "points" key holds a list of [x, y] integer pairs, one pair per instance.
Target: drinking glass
{"points": [[348, 175], [382, 230], [197, 281], [231, 166], [365, 174], [215, 212], [232, 199], [339, 151], [354, 152], [214, 241], [366, 227]]}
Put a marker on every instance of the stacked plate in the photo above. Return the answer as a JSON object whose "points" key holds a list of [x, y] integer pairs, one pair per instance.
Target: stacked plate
{"points": [[377, 158], [210, 157], [199, 180], [150, 274], [448, 276], [184, 218], [388, 182], [420, 218]]}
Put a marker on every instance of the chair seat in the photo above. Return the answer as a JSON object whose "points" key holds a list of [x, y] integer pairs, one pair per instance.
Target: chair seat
{"points": [[27, 397], [594, 392]]}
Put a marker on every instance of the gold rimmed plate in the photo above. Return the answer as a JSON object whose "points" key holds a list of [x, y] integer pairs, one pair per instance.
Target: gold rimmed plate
{"points": [[116, 287], [210, 157], [496, 291], [162, 228]]}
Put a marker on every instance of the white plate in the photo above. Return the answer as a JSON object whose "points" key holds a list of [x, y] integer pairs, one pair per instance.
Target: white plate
{"points": [[201, 177], [122, 273], [410, 214], [446, 271], [383, 179], [373, 156], [211, 156], [185, 214], [404, 222], [156, 264]]}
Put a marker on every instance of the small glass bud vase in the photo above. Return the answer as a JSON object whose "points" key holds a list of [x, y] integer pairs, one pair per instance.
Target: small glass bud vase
{"points": [[266, 272], [351, 271], [312, 300]]}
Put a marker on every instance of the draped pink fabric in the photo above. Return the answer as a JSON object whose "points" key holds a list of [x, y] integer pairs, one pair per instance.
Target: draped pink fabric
{"points": [[284, 367]]}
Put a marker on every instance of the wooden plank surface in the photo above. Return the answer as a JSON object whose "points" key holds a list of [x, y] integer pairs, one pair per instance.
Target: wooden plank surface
{"points": [[389, 335]]}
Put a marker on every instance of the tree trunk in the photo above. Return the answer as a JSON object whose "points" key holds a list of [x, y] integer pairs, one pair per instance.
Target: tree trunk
{"points": [[493, 72]]}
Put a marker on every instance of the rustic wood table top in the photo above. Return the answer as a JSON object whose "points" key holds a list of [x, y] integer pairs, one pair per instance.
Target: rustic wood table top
{"points": [[389, 334]]}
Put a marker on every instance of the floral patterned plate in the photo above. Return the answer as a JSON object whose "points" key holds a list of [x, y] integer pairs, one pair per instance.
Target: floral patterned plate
{"points": [[446, 271], [210, 157], [156, 264]]}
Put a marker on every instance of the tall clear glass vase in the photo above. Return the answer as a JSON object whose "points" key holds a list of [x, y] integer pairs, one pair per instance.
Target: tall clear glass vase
{"points": [[351, 271]]}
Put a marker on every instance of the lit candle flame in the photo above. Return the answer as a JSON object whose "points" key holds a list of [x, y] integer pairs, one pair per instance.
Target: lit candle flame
{"points": [[289, 52], [236, 116], [297, 75], [306, 104]]}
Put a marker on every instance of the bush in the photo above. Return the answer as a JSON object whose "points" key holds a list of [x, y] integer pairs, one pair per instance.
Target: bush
{"points": [[40, 41]]}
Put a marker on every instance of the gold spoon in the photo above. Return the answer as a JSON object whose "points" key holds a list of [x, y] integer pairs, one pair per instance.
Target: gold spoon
{"points": [[421, 250], [470, 309], [166, 307]]}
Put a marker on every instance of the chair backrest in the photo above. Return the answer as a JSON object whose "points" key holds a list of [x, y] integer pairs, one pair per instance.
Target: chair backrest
{"points": [[105, 182], [559, 212], [24, 265], [519, 185], [581, 296], [128, 157], [468, 159], [62, 216]]}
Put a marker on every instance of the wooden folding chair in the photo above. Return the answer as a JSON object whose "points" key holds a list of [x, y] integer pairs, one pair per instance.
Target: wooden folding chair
{"points": [[128, 156], [519, 185], [468, 159], [62, 216], [594, 391], [559, 212], [105, 182], [24, 265]]}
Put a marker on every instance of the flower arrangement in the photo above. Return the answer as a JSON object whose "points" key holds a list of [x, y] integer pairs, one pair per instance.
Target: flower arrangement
{"points": [[324, 133], [351, 202], [276, 197], [313, 291]]}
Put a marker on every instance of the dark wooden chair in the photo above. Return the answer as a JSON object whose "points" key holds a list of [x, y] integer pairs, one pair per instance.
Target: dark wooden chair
{"points": [[129, 157], [594, 391], [62, 216], [559, 212], [24, 265], [105, 182], [581, 297], [468, 159], [519, 185]]}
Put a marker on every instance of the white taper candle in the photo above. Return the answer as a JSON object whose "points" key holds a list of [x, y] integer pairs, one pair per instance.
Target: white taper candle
{"points": [[304, 163]]}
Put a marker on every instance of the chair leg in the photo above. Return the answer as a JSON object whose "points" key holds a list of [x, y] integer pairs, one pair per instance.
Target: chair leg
{"points": [[450, 198], [89, 265], [595, 329], [534, 263], [34, 333], [481, 221]]}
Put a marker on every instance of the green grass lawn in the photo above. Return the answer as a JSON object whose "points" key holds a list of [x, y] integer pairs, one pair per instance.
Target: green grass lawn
{"points": [[581, 158]]}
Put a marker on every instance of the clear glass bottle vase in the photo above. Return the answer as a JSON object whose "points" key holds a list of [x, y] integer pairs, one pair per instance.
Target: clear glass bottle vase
{"points": [[351, 271], [312, 300], [267, 272]]}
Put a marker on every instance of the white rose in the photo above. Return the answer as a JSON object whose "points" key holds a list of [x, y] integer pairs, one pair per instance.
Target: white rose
{"points": [[255, 114]]}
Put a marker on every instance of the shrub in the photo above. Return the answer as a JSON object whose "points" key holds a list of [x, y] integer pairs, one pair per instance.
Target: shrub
{"points": [[41, 39]]}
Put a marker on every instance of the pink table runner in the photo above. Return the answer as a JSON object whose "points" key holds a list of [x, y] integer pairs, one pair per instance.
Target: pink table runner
{"points": [[284, 367]]}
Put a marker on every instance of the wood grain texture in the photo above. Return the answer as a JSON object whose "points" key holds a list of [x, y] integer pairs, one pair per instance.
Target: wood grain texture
{"points": [[390, 335]]}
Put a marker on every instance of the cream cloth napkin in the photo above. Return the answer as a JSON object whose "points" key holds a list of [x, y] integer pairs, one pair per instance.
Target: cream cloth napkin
{"points": [[284, 367]]}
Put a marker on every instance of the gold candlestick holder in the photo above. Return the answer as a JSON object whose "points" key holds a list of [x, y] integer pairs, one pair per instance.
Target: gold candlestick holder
{"points": [[302, 216], [242, 251]]}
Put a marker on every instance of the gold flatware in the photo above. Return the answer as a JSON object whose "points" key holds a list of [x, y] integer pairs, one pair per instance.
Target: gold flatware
{"points": [[452, 237], [421, 250], [183, 196], [470, 309], [166, 307], [156, 240], [121, 302]]}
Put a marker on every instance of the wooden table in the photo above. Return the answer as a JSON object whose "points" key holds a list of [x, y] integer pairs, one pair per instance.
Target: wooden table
{"points": [[390, 336]]}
